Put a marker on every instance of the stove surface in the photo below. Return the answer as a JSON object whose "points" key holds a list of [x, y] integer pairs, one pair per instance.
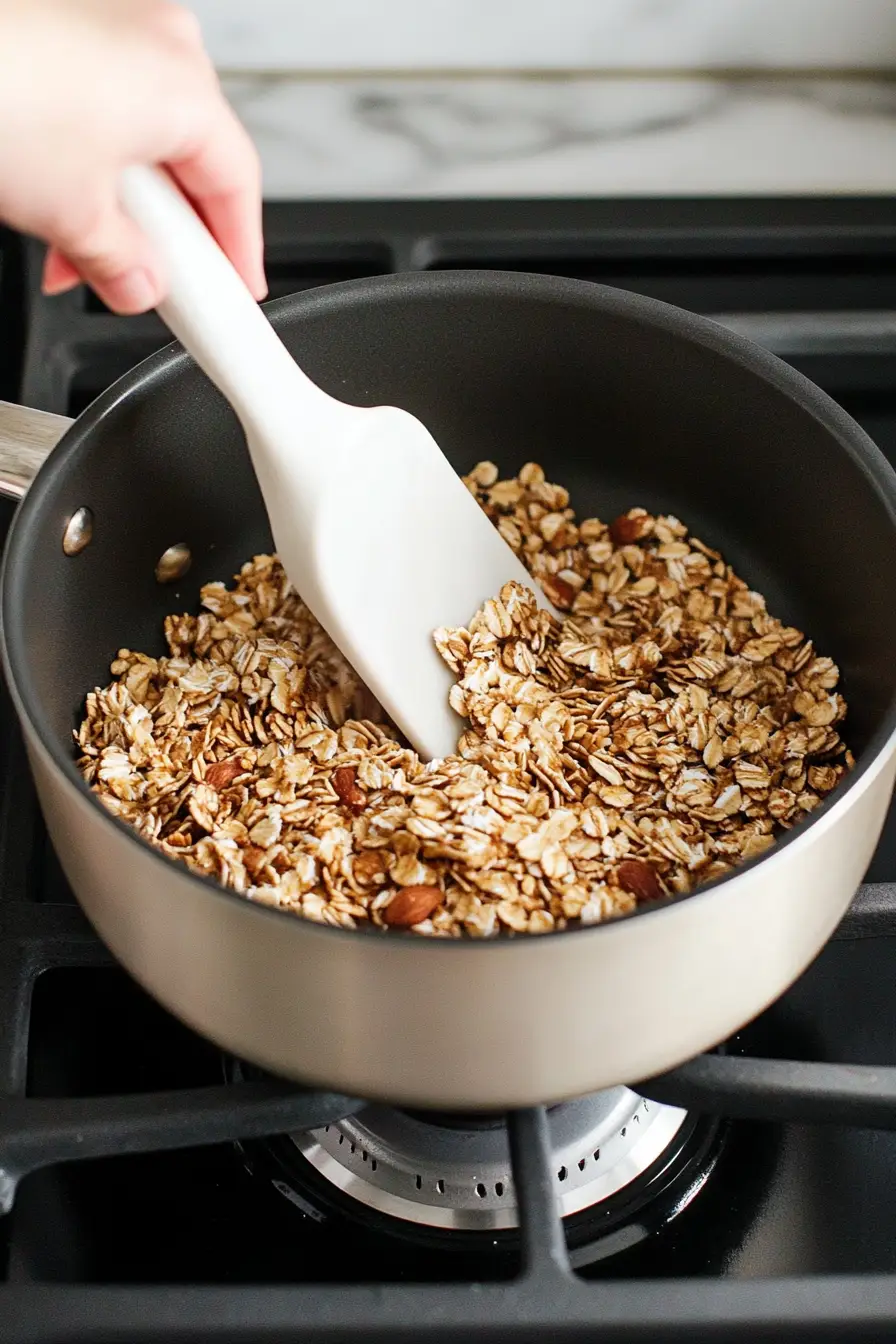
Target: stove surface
{"points": [[157, 1192]]}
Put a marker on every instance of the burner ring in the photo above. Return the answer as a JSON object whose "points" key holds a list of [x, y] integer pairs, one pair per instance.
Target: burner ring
{"points": [[461, 1180]]}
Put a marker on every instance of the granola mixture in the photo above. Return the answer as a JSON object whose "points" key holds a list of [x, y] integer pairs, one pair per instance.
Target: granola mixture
{"points": [[664, 729]]}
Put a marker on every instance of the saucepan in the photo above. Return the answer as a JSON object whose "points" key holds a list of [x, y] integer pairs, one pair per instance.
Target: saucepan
{"points": [[625, 401]]}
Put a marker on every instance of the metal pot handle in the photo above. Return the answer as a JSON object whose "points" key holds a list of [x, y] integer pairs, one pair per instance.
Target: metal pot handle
{"points": [[26, 438]]}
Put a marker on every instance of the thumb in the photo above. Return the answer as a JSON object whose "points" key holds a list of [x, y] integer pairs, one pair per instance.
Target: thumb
{"points": [[112, 255]]}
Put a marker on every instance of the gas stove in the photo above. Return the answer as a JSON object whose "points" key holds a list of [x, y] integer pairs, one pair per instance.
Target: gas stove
{"points": [[151, 1190]]}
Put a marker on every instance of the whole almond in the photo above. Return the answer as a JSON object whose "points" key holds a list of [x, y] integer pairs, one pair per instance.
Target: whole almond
{"points": [[345, 782], [558, 591], [624, 530], [639, 878], [411, 905], [222, 773]]}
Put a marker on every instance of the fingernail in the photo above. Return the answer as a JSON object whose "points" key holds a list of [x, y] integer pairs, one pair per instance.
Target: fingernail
{"points": [[133, 292]]}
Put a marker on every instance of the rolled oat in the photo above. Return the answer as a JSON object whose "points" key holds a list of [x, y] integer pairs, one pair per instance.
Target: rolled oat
{"points": [[660, 731]]}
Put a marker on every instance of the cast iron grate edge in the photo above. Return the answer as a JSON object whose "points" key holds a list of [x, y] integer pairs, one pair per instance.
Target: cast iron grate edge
{"points": [[546, 1301], [40, 1132]]}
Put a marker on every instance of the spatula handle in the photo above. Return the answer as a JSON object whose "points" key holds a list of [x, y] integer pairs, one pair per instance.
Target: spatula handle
{"points": [[209, 308]]}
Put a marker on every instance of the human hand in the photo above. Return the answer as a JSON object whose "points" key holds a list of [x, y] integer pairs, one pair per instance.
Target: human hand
{"points": [[88, 87]]}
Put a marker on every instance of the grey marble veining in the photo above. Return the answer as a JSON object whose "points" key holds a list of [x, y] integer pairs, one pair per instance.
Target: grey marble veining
{"points": [[505, 136]]}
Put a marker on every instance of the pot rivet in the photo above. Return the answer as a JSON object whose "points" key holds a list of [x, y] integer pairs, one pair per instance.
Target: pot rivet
{"points": [[78, 532], [174, 563]]}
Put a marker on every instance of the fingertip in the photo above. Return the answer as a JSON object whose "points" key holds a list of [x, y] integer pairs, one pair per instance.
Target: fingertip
{"points": [[52, 288], [133, 292], [248, 260], [110, 253], [247, 254], [59, 275]]}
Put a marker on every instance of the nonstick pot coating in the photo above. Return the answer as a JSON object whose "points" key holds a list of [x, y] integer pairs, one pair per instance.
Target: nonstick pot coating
{"points": [[623, 400]]}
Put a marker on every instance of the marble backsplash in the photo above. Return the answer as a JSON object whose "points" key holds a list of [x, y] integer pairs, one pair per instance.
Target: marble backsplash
{"points": [[596, 35], [511, 136], [571, 97]]}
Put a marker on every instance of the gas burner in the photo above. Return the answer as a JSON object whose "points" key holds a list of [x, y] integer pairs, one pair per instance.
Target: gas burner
{"points": [[456, 1173], [624, 1168]]}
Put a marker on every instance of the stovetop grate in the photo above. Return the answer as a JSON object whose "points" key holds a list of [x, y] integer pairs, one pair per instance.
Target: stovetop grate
{"points": [[792, 269], [803, 276], [36, 1131]]}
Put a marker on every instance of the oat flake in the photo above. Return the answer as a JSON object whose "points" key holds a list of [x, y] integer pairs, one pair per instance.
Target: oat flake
{"points": [[663, 718]]}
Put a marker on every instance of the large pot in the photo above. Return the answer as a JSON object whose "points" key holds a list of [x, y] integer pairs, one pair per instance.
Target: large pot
{"points": [[624, 400]]}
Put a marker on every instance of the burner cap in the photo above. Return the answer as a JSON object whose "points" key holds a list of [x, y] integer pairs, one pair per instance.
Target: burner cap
{"points": [[426, 1172]]}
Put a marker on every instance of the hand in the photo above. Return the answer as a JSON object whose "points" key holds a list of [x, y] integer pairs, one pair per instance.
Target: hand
{"points": [[88, 87]]}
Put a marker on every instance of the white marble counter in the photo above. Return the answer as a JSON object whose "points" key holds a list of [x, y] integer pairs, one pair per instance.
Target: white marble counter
{"points": [[569, 136]]}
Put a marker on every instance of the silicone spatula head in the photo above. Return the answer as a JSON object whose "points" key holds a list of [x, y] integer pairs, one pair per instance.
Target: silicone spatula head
{"points": [[375, 530]]}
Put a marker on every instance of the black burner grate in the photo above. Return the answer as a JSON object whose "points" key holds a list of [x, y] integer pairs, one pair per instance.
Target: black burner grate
{"points": [[36, 1131], [788, 269]]}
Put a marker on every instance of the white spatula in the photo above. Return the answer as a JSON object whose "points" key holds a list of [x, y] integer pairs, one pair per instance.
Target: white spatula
{"points": [[375, 530]]}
